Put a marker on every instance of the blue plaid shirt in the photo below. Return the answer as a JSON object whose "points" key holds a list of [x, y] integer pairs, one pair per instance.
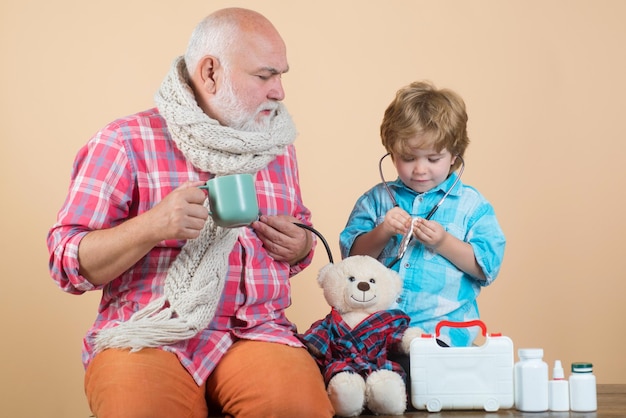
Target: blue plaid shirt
{"points": [[434, 289]]}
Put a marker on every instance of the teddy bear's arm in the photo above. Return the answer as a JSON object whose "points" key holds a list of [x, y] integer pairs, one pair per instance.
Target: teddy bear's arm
{"points": [[317, 338], [410, 334]]}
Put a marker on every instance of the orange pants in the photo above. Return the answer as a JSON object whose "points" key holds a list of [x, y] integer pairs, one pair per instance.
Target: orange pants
{"points": [[253, 379]]}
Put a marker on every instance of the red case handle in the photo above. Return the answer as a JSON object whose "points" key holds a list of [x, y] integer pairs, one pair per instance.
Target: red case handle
{"points": [[474, 323]]}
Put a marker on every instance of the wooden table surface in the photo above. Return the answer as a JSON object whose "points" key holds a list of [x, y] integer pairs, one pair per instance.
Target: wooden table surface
{"points": [[611, 403]]}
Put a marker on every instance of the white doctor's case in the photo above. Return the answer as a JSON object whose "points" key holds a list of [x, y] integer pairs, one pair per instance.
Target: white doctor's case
{"points": [[476, 377]]}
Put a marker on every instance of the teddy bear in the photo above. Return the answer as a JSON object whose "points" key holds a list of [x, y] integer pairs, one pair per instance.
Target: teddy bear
{"points": [[351, 344]]}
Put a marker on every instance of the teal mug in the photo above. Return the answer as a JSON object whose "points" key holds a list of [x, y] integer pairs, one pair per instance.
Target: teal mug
{"points": [[232, 200]]}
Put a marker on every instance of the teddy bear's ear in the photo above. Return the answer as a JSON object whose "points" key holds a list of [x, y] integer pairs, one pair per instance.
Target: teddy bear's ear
{"points": [[323, 273]]}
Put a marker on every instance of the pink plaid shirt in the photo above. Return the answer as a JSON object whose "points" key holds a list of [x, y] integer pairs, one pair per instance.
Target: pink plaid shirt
{"points": [[123, 171]]}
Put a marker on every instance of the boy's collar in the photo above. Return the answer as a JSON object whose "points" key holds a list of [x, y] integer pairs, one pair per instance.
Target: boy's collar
{"points": [[442, 187]]}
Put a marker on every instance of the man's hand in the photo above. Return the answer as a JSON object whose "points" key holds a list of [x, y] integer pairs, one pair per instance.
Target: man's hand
{"points": [[283, 240], [181, 214]]}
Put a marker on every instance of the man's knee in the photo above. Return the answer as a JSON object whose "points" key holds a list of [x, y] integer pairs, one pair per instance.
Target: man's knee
{"points": [[271, 379], [148, 383]]}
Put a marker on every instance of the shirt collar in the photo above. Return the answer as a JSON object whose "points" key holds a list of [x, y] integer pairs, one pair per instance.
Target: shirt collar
{"points": [[399, 187]]}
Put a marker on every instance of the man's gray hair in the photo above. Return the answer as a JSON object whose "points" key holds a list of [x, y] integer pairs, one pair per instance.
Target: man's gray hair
{"points": [[214, 36]]}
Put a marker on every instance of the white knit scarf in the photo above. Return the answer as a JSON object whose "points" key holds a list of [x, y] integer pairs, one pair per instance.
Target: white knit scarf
{"points": [[195, 279]]}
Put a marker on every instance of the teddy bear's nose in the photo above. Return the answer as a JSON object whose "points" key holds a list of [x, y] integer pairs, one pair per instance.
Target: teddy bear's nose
{"points": [[363, 286]]}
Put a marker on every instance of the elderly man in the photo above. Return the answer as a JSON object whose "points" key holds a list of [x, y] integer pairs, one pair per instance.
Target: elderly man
{"points": [[192, 315]]}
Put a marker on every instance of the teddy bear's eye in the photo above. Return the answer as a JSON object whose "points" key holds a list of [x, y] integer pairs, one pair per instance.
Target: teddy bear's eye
{"points": [[372, 281], [351, 279]]}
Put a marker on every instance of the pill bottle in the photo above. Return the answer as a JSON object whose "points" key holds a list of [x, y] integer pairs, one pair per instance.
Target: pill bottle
{"points": [[582, 390], [558, 389], [531, 381]]}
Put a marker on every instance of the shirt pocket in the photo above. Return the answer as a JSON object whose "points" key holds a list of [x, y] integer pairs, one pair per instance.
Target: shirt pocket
{"points": [[431, 255]]}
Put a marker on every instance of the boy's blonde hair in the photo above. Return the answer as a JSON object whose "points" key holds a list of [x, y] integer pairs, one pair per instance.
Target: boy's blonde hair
{"points": [[422, 109]]}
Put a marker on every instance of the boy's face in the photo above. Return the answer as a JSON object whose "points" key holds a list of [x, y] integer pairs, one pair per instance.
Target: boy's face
{"points": [[423, 168]]}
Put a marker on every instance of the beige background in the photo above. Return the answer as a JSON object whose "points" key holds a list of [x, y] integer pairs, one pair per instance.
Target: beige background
{"points": [[544, 85]]}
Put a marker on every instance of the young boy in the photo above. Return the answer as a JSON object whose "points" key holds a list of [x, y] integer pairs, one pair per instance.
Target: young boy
{"points": [[460, 248]]}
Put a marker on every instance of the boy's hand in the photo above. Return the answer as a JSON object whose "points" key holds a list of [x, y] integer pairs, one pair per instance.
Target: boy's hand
{"points": [[397, 221], [429, 233]]}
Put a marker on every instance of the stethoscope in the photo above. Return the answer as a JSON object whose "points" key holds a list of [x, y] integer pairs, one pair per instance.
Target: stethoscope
{"points": [[404, 244]]}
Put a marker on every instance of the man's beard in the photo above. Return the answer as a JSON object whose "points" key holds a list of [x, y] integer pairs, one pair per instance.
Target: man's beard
{"points": [[235, 116]]}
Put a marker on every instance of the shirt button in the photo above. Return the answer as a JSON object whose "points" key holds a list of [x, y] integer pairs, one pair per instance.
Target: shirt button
{"points": [[407, 265]]}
